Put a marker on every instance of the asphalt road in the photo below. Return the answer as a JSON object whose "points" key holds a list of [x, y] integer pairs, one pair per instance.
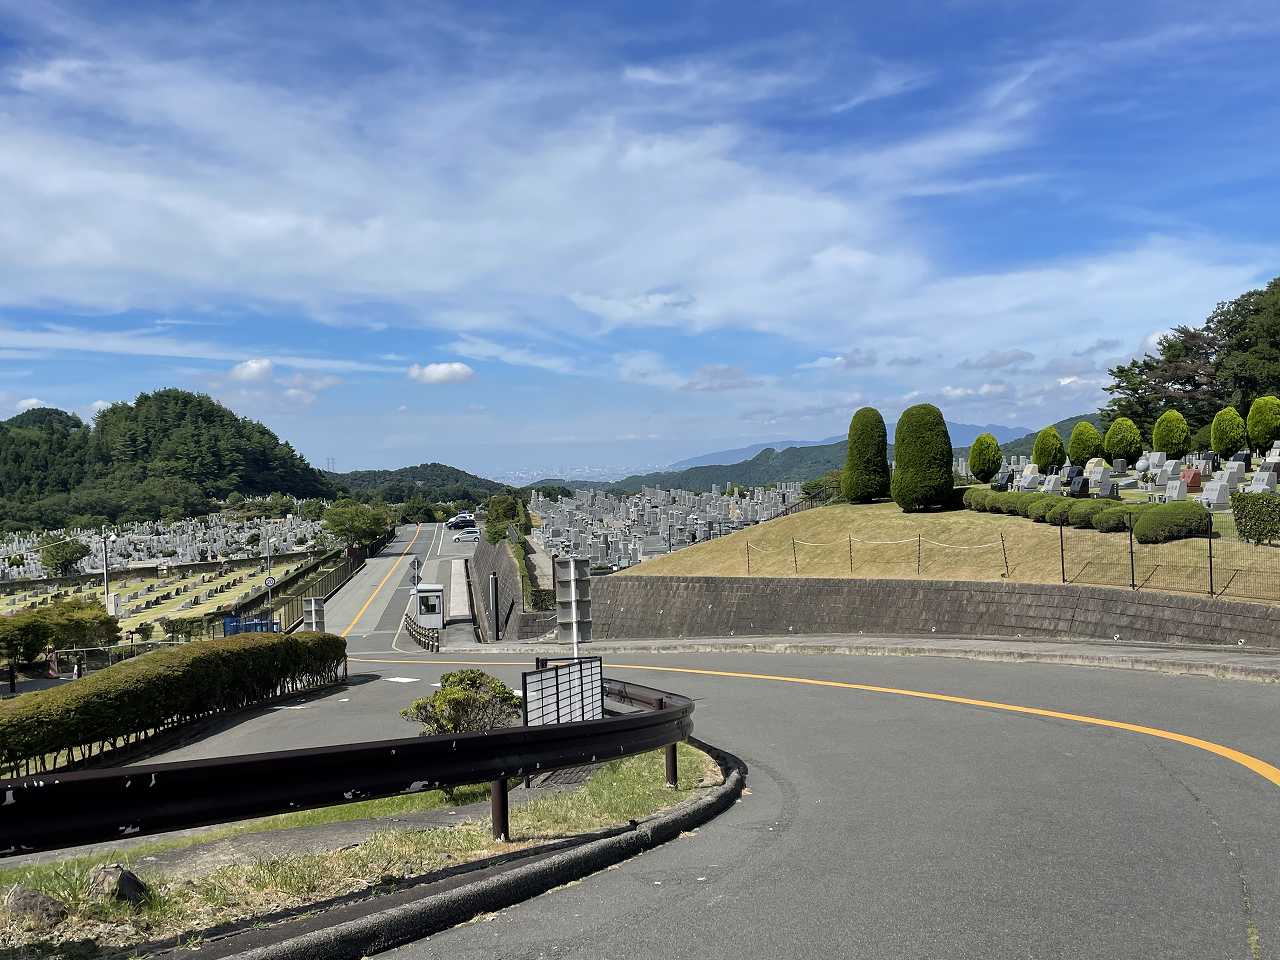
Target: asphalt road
{"points": [[883, 825]]}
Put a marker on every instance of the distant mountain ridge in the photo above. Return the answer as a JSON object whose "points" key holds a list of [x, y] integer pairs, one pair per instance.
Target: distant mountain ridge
{"points": [[962, 434], [437, 482]]}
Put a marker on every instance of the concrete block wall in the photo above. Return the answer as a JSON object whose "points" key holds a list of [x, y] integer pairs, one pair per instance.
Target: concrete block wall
{"points": [[642, 607], [514, 622]]}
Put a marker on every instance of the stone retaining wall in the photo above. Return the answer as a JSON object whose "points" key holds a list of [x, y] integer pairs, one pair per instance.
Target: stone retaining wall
{"points": [[638, 607], [514, 623]]}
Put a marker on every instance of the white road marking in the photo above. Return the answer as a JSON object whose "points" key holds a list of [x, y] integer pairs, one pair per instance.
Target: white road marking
{"points": [[401, 679]]}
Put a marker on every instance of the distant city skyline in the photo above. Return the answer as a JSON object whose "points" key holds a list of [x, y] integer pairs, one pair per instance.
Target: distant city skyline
{"points": [[617, 236]]}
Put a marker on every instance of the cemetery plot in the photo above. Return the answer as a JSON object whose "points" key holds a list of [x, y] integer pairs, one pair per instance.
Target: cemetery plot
{"points": [[620, 532]]}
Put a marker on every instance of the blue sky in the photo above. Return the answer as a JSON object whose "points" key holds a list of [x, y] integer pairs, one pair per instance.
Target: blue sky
{"points": [[523, 236]]}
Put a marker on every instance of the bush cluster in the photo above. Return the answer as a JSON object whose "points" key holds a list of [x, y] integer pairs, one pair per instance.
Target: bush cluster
{"points": [[1257, 516], [159, 690], [74, 622], [1171, 521]]}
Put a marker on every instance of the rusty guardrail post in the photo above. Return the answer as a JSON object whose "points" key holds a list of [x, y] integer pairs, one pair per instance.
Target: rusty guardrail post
{"points": [[498, 809]]}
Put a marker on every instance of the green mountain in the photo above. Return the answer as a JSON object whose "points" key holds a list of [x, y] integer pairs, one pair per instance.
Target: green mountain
{"points": [[436, 482], [767, 466], [166, 455]]}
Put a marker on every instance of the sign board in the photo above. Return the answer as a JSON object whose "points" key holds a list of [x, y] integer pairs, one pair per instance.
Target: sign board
{"points": [[573, 601], [563, 691], [233, 625], [269, 582], [313, 614]]}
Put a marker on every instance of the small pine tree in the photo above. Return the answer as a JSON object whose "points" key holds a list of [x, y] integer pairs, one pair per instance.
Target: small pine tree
{"points": [[1085, 443], [866, 467], [1171, 435], [985, 458], [1048, 453], [1123, 441], [1228, 434]]}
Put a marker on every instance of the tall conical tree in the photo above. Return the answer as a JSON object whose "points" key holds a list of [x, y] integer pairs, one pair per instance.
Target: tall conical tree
{"points": [[866, 465], [922, 471], [1048, 453], [1228, 435], [1123, 441], [1085, 443], [985, 458], [1171, 435]]}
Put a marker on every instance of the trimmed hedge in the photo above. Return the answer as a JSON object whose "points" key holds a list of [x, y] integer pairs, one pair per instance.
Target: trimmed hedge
{"points": [[866, 466], [49, 729], [1163, 522], [1060, 513], [1257, 516], [922, 474], [1031, 500], [975, 498], [1083, 511], [1115, 519], [985, 458], [1039, 509]]}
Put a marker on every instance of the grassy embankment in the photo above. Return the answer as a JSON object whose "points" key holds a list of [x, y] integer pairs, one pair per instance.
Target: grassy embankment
{"points": [[620, 791], [961, 545]]}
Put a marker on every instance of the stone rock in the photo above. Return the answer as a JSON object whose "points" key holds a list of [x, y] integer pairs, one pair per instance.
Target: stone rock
{"points": [[113, 881], [27, 904]]}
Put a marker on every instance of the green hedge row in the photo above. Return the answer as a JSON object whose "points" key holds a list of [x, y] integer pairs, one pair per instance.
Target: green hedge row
{"points": [[1152, 522], [133, 700], [1257, 516]]}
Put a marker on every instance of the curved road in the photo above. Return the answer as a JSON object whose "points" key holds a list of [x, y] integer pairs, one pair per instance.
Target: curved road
{"points": [[881, 824]]}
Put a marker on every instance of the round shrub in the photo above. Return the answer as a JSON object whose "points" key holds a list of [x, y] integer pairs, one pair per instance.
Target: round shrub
{"points": [[1228, 433], [1171, 436], [1117, 519], [1085, 443], [1030, 501], [1041, 507], [1264, 422], [1123, 441], [1060, 513], [1171, 521], [866, 465], [922, 455], [1004, 502], [1083, 511], [1048, 453], [985, 458], [975, 498]]}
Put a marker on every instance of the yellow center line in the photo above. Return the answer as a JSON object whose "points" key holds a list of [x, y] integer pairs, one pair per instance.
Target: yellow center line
{"points": [[378, 589], [1253, 764]]}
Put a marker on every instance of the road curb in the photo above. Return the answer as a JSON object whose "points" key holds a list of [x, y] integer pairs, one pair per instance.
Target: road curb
{"points": [[435, 912], [1218, 670]]}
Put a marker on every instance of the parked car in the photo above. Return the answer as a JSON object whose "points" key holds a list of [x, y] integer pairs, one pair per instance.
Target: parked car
{"points": [[467, 536], [461, 521]]}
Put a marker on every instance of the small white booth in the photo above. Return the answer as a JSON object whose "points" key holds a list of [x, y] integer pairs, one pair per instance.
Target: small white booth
{"points": [[428, 606]]}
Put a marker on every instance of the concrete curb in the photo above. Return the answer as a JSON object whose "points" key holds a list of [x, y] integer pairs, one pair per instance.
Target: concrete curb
{"points": [[1218, 670], [413, 921]]}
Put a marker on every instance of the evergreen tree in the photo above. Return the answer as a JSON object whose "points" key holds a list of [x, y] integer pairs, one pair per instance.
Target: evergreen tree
{"points": [[1228, 434], [1048, 453], [985, 458], [1123, 441], [1085, 443], [922, 453], [866, 468], [1171, 435]]}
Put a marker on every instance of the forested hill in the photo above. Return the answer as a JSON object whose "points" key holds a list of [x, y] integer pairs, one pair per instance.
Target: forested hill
{"points": [[436, 482], [166, 455], [767, 466]]}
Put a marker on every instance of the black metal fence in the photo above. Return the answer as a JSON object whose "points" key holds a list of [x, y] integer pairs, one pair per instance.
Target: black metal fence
{"points": [[49, 813], [1210, 564]]}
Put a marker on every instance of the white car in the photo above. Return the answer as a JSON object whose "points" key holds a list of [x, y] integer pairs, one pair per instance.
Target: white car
{"points": [[467, 536]]}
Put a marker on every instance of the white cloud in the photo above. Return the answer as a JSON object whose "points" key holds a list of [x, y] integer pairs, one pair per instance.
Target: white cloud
{"points": [[30, 403], [253, 371], [478, 348], [441, 372]]}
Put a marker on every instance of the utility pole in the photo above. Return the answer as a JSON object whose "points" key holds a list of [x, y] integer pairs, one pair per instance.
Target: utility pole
{"points": [[106, 576]]}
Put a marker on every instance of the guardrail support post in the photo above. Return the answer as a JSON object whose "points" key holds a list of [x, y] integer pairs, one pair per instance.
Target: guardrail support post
{"points": [[673, 774], [498, 812]]}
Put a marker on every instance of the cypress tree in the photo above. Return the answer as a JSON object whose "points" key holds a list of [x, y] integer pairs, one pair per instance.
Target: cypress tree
{"points": [[866, 466], [1048, 452], [985, 458], [922, 474]]}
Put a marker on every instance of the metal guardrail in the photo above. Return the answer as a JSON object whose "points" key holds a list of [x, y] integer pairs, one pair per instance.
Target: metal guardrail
{"points": [[53, 811]]}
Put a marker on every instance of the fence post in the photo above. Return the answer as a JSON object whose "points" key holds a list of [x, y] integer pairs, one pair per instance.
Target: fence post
{"points": [[1133, 574], [673, 778], [498, 812], [795, 561], [1062, 549], [919, 547], [851, 555], [748, 558], [1210, 554], [1005, 554]]}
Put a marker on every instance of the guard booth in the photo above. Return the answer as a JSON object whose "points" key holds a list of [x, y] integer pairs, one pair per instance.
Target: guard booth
{"points": [[428, 607]]}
